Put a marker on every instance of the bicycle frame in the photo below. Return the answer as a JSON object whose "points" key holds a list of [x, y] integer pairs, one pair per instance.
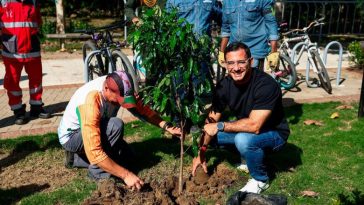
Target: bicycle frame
{"points": [[306, 46]]}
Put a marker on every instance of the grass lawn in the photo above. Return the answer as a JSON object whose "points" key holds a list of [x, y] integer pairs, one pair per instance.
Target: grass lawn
{"points": [[326, 161]]}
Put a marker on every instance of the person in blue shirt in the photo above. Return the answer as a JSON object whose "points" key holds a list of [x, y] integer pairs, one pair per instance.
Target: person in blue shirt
{"points": [[253, 23], [200, 13]]}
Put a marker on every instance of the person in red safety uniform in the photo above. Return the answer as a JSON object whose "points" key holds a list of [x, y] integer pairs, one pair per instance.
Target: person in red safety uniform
{"points": [[20, 21]]}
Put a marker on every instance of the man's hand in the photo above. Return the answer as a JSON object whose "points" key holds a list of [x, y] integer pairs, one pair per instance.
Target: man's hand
{"points": [[273, 60], [200, 160], [176, 131], [210, 129], [132, 181], [221, 59], [137, 21]]}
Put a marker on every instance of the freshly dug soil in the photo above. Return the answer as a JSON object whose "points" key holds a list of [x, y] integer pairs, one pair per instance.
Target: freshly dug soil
{"points": [[202, 187]]}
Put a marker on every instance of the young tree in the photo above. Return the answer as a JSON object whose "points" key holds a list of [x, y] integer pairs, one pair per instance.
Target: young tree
{"points": [[172, 56]]}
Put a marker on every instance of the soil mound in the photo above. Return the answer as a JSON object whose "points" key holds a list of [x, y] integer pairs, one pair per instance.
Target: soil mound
{"points": [[210, 188]]}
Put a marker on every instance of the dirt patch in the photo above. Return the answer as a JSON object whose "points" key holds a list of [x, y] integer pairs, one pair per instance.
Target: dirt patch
{"points": [[36, 171], [210, 189]]}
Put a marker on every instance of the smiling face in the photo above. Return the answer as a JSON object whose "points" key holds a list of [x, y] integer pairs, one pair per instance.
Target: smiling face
{"points": [[239, 65]]}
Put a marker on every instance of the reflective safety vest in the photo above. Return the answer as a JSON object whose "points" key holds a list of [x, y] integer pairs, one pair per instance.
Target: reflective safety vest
{"points": [[19, 23]]}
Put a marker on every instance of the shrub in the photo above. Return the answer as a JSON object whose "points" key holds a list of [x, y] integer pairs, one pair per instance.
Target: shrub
{"points": [[357, 54]]}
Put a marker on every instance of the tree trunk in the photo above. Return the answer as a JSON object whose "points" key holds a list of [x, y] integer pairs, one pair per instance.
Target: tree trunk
{"points": [[60, 20], [180, 179]]}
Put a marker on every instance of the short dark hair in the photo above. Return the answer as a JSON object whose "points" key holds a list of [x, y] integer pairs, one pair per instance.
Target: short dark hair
{"points": [[237, 46]]}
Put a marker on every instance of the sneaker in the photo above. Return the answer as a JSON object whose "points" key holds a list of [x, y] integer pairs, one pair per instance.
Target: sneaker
{"points": [[254, 186], [69, 159], [243, 167]]}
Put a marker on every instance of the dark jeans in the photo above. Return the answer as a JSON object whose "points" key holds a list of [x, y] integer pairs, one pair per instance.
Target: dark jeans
{"points": [[253, 148], [183, 93], [258, 63], [112, 143]]}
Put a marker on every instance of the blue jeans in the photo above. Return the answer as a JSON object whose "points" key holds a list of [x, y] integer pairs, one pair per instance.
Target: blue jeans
{"points": [[253, 148]]}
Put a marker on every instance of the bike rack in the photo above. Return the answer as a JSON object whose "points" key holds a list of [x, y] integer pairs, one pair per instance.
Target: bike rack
{"points": [[307, 77], [340, 59], [85, 70]]}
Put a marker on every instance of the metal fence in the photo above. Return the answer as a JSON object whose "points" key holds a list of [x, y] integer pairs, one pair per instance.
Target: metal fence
{"points": [[341, 17]]}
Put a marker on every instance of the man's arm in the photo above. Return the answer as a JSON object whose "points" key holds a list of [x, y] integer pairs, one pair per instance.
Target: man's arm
{"points": [[130, 179], [129, 9], [89, 117], [270, 23], [252, 124], [205, 140], [154, 118]]}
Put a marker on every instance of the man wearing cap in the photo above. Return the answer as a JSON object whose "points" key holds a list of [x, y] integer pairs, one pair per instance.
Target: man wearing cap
{"points": [[91, 133]]}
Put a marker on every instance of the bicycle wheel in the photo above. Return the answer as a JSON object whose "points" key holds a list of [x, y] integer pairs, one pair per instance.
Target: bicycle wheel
{"points": [[217, 72], [122, 63], [285, 74], [95, 64], [322, 72]]}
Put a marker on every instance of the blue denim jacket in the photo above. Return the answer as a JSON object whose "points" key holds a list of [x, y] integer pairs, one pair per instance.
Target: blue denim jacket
{"points": [[196, 12], [251, 22]]}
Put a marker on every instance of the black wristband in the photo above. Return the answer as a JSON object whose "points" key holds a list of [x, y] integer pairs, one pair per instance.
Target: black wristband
{"points": [[166, 125]]}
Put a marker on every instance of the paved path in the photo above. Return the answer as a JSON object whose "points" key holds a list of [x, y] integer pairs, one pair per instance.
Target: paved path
{"points": [[63, 76]]}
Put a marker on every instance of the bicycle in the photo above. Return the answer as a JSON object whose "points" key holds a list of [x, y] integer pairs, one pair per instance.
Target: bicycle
{"points": [[103, 55], [301, 36]]}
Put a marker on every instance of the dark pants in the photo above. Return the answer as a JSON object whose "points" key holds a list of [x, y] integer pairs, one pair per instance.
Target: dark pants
{"points": [[111, 141]]}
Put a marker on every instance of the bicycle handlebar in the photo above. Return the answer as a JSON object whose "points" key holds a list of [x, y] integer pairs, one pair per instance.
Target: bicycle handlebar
{"points": [[107, 28], [314, 23]]}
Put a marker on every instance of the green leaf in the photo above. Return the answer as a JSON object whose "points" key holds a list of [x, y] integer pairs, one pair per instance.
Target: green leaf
{"points": [[171, 56], [164, 103]]}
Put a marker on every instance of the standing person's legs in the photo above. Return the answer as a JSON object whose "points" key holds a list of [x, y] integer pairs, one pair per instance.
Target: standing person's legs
{"points": [[35, 74], [253, 146], [11, 83], [34, 70], [258, 63], [13, 70]]}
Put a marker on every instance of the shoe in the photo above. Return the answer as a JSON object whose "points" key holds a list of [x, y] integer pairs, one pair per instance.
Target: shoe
{"points": [[69, 159], [20, 118], [254, 186], [236, 198], [37, 111], [243, 167]]}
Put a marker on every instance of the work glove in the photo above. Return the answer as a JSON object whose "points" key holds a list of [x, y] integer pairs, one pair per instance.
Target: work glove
{"points": [[139, 23], [221, 59], [272, 60]]}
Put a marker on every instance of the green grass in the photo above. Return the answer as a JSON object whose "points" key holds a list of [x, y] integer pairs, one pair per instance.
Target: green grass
{"points": [[328, 159]]}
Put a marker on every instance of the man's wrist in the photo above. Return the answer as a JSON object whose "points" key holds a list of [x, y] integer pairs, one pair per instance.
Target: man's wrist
{"points": [[220, 126], [167, 125]]}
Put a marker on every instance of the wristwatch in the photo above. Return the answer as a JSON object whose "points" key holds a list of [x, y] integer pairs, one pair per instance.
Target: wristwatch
{"points": [[220, 126]]}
